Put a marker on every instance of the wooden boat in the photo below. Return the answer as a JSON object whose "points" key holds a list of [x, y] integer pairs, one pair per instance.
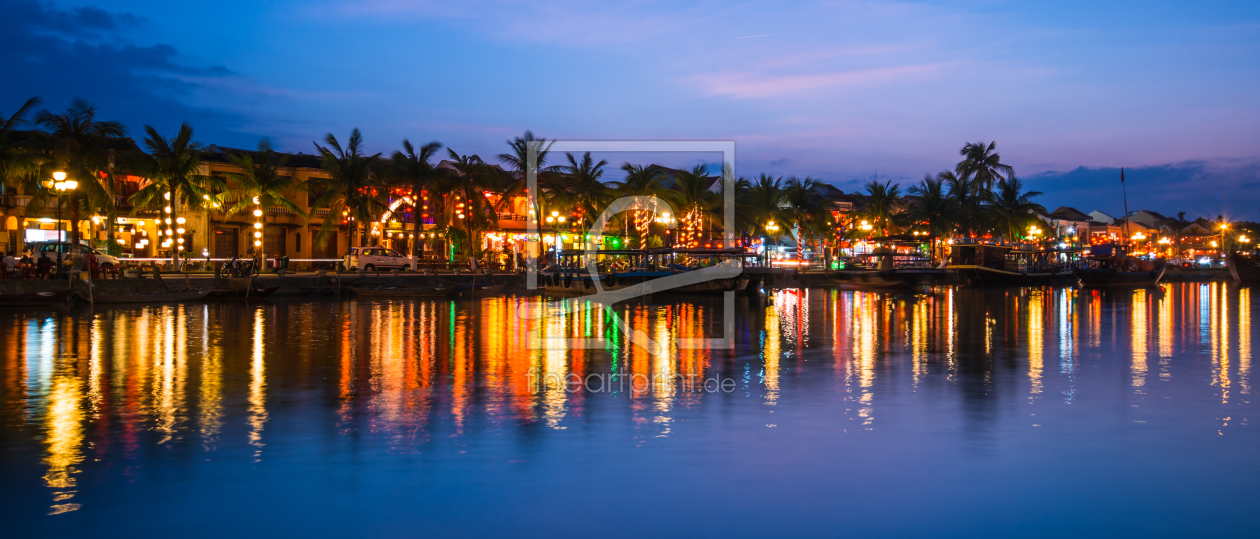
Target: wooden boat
{"points": [[163, 297], [887, 269], [983, 265], [983, 276], [1176, 273], [1243, 268], [37, 298], [401, 292], [1112, 273], [916, 277], [866, 279]]}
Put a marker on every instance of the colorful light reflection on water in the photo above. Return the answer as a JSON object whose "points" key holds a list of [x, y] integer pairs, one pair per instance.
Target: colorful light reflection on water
{"points": [[1029, 412]]}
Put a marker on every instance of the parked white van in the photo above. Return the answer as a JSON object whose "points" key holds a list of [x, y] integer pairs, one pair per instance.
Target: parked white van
{"points": [[374, 258]]}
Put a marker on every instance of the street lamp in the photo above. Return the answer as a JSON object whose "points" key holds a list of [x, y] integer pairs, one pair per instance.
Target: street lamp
{"points": [[60, 184]]}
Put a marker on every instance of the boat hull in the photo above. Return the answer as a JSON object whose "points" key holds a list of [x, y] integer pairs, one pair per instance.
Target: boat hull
{"points": [[1111, 277], [861, 279], [981, 276], [1244, 268]]}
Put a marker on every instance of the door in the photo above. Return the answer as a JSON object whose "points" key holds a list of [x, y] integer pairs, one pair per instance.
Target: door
{"points": [[274, 243], [328, 251], [226, 243]]}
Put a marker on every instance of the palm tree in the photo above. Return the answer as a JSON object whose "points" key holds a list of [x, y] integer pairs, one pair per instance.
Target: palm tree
{"points": [[471, 208], [517, 162], [578, 188], [413, 169], [882, 201], [352, 190], [935, 206], [1012, 207], [173, 167], [982, 164], [641, 181], [78, 142], [765, 201], [19, 160], [808, 215], [968, 205], [261, 181], [697, 205]]}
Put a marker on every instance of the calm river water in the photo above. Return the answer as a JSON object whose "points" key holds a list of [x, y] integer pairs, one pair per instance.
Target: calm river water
{"points": [[1053, 412]]}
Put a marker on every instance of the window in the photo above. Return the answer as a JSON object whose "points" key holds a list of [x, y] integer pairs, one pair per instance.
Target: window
{"points": [[298, 237]]}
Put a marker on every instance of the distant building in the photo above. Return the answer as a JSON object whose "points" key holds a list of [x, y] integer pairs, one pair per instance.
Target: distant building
{"points": [[1152, 220], [1069, 221], [1102, 218]]}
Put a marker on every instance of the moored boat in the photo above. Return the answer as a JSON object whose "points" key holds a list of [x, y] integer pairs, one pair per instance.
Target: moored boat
{"points": [[1119, 272], [984, 265], [1243, 268]]}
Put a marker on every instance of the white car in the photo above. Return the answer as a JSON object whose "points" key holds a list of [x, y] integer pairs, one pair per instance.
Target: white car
{"points": [[374, 258], [53, 247]]}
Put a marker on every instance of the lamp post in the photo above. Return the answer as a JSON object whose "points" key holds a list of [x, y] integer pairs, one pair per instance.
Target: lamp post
{"points": [[60, 184], [1224, 227], [772, 228]]}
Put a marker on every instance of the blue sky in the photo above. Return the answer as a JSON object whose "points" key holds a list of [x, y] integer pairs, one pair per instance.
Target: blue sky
{"points": [[837, 90]]}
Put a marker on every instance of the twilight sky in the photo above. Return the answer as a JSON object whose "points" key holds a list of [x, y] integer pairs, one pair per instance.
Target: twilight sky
{"points": [[836, 90]]}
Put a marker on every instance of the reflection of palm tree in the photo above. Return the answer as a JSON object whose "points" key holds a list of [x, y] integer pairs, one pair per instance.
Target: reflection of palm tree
{"points": [[982, 164], [261, 179], [173, 166], [78, 142], [352, 188], [412, 169], [18, 159], [1011, 207]]}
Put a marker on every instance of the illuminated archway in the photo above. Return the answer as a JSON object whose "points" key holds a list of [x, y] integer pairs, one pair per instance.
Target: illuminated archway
{"points": [[393, 206]]}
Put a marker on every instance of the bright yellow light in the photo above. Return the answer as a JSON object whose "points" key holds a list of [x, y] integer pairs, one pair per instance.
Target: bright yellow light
{"points": [[257, 213], [181, 220], [59, 175], [257, 225]]}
